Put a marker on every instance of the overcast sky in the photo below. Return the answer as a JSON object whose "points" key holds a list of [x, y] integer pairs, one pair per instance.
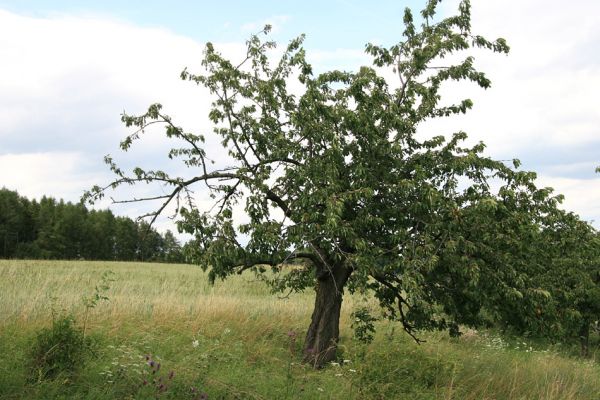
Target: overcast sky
{"points": [[68, 69]]}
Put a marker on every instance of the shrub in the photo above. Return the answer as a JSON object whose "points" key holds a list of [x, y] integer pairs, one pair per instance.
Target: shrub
{"points": [[58, 350]]}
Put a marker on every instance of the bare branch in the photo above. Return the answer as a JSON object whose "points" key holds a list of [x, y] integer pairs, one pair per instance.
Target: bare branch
{"points": [[136, 200]]}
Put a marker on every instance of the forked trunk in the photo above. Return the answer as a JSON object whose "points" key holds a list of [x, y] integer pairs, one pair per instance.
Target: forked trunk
{"points": [[323, 333]]}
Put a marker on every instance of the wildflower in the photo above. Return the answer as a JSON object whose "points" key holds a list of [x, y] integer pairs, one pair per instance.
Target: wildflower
{"points": [[352, 370], [335, 364], [195, 343], [320, 389]]}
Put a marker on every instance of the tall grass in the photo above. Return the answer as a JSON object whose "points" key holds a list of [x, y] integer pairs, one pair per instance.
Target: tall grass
{"points": [[29, 290], [237, 340]]}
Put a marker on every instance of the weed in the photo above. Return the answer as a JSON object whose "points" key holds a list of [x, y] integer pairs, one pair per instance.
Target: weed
{"points": [[363, 324], [154, 382], [59, 350], [99, 295]]}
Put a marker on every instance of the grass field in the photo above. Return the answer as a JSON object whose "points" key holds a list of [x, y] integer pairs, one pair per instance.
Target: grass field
{"points": [[235, 340]]}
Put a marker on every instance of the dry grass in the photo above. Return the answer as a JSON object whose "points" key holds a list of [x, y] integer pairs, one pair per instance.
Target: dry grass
{"points": [[163, 307], [29, 290]]}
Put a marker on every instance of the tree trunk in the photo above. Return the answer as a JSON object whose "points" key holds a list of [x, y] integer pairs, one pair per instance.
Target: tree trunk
{"points": [[584, 337], [323, 333]]}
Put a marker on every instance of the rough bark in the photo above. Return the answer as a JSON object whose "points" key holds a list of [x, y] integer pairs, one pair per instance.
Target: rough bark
{"points": [[323, 333]]}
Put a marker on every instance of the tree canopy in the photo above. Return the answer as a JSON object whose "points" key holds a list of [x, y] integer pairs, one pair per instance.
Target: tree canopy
{"points": [[341, 191], [55, 229]]}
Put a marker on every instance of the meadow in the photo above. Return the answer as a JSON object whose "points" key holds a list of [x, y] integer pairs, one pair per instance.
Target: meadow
{"points": [[236, 340]]}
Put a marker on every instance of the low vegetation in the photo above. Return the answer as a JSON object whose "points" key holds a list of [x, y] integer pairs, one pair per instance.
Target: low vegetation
{"points": [[164, 332]]}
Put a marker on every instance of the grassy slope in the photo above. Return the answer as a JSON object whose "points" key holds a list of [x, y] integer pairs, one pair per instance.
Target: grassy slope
{"points": [[246, 346]]}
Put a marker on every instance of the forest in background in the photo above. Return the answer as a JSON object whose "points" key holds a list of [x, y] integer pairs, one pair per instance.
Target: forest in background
{"points": [[55, 229]]}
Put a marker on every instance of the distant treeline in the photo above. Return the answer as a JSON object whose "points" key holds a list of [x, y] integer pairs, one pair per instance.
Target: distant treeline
{"points": [[51, 229]]}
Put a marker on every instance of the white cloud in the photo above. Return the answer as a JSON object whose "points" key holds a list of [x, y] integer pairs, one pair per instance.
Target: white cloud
{"points": [[64, 80], [276, 22], [542, 104], [36, 174], [544, 91], [341, 59], [67, 79], [581, 195], [72, 76]]}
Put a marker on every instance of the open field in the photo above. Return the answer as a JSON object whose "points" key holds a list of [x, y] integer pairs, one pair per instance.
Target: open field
{"points": [[235, 340]]}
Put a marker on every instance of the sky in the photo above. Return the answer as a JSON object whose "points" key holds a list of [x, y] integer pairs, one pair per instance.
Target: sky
{"points": [[68, 69]]}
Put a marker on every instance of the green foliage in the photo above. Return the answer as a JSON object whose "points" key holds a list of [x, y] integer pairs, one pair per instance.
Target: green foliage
{"points": [[99, 291], [16, 222], [54, 229], [335, 176], [363, 324], [571, 276], [57, 351]]}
